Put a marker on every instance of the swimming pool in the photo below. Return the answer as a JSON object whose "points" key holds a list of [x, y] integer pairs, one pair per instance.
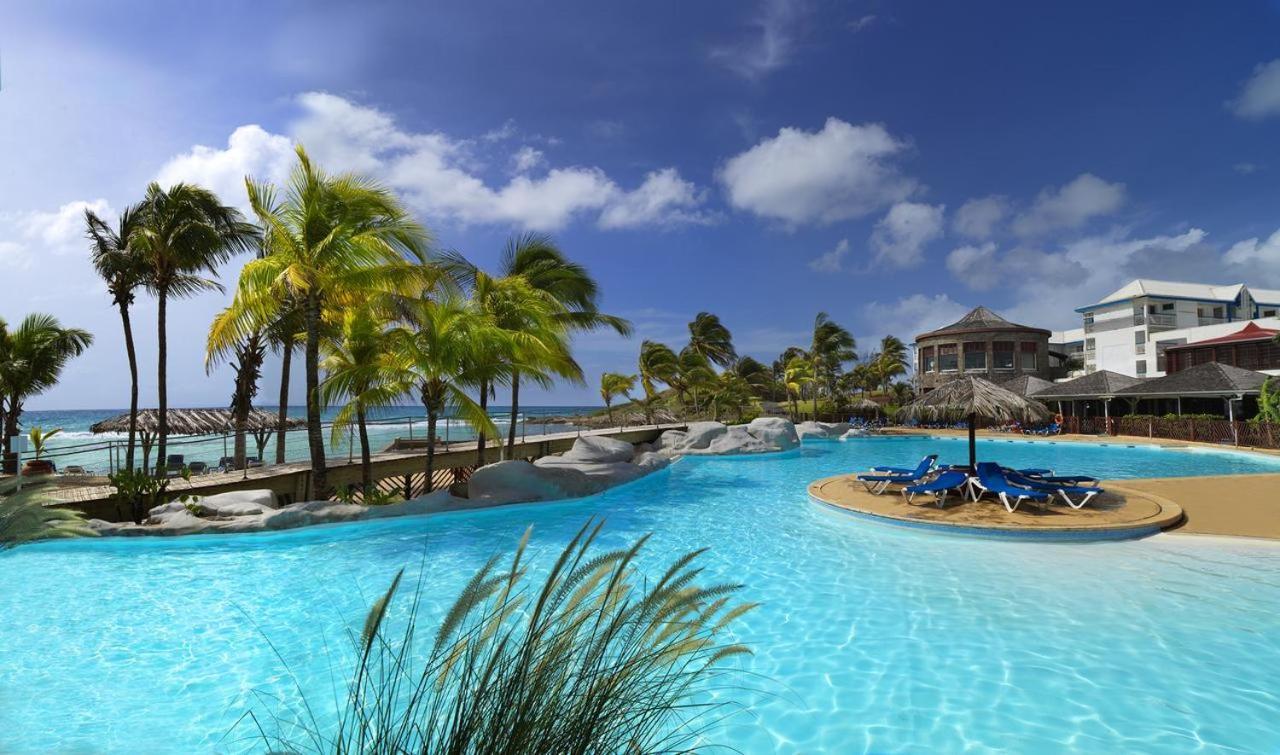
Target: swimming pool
{"points": [[874, 638]]}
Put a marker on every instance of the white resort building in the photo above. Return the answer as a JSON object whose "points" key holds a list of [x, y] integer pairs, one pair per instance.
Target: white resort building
{"points": [[1130, 329]]}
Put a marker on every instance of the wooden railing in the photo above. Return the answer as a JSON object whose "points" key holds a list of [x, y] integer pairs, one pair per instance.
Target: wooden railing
{"points": [[1192, 429], [396, 470]]}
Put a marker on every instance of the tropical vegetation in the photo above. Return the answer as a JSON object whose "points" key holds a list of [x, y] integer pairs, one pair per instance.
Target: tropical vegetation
{"points": [[24, 518], [597, 658], [32, 358]]}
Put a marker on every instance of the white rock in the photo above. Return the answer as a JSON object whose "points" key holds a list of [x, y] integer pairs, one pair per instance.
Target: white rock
{"points": [[594, 448], [822, 429], [701, 434], [517, 481], [244, 501], [651, 460], [777, 432]]}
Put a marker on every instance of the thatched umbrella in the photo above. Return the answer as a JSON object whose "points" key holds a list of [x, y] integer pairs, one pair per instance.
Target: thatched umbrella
{"points": [[191, 422], [973, 398], [866, 406]]}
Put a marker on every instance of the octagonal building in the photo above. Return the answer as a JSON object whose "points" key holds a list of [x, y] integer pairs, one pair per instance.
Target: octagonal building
{"points": [[984, 344]]}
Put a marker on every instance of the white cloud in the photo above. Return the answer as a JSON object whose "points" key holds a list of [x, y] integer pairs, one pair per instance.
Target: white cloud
{"points": [[1260, 96], [39, 234], [664, 199], [832, 261], [900, 236], [440, 176], [1254, 251], [1070, 205], [912, 315], [770, 44], [858, 24], [526, 159], [978, 218], [502, 133], [1246, 168], [973, 265], [250, 151], [841, 172]]}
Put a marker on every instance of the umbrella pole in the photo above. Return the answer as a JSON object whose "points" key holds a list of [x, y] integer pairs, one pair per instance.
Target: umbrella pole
{"points": [[973, 442]]}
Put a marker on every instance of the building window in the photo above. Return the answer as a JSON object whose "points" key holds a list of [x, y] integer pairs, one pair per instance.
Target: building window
{"points": [[1002, 355], [1089, 344], [1166, 307], [1142, 368], [927, 361], [1027, 356], [975, 357], [1268, 313], [947, 358], [1161, 356], [1139, 337]]}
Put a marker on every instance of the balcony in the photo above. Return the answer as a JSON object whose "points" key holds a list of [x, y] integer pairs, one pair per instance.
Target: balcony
{"points": [[1212, 320], [1161, 322]]}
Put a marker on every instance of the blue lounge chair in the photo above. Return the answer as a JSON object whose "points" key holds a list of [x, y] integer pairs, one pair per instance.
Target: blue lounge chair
{"points": [[1065, 490], [878, 483], [1078, 479], [939, 487], [931, 458], [991, 479]]}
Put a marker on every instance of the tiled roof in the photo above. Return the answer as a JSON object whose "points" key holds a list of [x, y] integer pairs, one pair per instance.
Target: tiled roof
{"points": [[979, 318], [1208, 378], [1026, 385], [1250, 332], [1100, 383]]}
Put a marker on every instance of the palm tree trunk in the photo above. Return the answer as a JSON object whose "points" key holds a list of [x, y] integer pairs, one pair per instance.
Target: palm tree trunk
{"points": [[282, 420], [608, 406], [133, 383], [315, 436], [484, 407], [366, 465], [431, 447], [162, 400], [515, 409], [241, 449]]}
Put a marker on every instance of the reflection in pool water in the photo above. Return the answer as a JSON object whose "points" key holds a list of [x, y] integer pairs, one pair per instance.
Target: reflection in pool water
{"points": [[873, 638]]}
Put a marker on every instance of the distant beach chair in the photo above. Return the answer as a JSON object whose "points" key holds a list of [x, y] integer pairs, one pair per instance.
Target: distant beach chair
{"points": [[226, 463], [991, 479], [876, 483], [198, 467], [75, 470], [173, 464], [931, 458], [939, 487]]}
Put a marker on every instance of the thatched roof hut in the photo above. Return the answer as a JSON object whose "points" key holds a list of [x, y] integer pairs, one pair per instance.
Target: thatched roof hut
{"points": [[193, 422], [973, 398], [866, 406]]}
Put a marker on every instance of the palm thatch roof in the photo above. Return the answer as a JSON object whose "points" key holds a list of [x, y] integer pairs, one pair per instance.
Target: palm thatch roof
{"points": [[1208, 379], [193, 422], [973, 396], [1026, 385], [980, 319], [1100, 384], [865, 405]]}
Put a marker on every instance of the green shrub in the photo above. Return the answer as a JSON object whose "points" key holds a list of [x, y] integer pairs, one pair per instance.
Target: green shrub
{"points": [[597, 659], [24, 517]]}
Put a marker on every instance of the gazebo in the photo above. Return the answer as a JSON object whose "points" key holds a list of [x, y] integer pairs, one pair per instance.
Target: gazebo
{"points": [[865, 406], [974, 398], [191, 422]]}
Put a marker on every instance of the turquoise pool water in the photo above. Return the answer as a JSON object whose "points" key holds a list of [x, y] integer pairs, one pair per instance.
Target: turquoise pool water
{"points": [[874, 638]]}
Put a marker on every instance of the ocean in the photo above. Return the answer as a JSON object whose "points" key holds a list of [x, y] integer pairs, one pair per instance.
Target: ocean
{"points": [[101, 453]]}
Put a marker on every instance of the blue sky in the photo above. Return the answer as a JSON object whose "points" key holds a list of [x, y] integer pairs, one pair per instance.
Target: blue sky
{"points": [[891, 163]]}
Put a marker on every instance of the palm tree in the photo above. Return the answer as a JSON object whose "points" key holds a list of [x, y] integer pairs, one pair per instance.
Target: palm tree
{"points": [[711, 340], [433, 349], [32, 357], [729, 391], [123, 270], [615, 384], [693, 373], [247, 364], [902, 393], [358, 367], [331, 242], [756, 375], [893, 359], [182, 232], [536, 324], [798, 374], [543, 266], [658, 364], [282, 336], [831, 347]]}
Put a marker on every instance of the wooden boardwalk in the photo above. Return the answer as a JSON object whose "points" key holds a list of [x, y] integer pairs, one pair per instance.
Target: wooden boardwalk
{"points": [[407, 457]]}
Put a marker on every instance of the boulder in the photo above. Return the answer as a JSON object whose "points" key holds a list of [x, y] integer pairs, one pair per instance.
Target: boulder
{"points": [[737, 440], [822, 430], [592, 448], [239, 502], [856, 432], [777, 432], [650, 460], [518, 481], [701, 434], [311, 512]]}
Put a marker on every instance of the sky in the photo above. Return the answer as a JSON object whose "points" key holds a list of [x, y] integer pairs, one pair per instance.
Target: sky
{"points": [[890, 163]]}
